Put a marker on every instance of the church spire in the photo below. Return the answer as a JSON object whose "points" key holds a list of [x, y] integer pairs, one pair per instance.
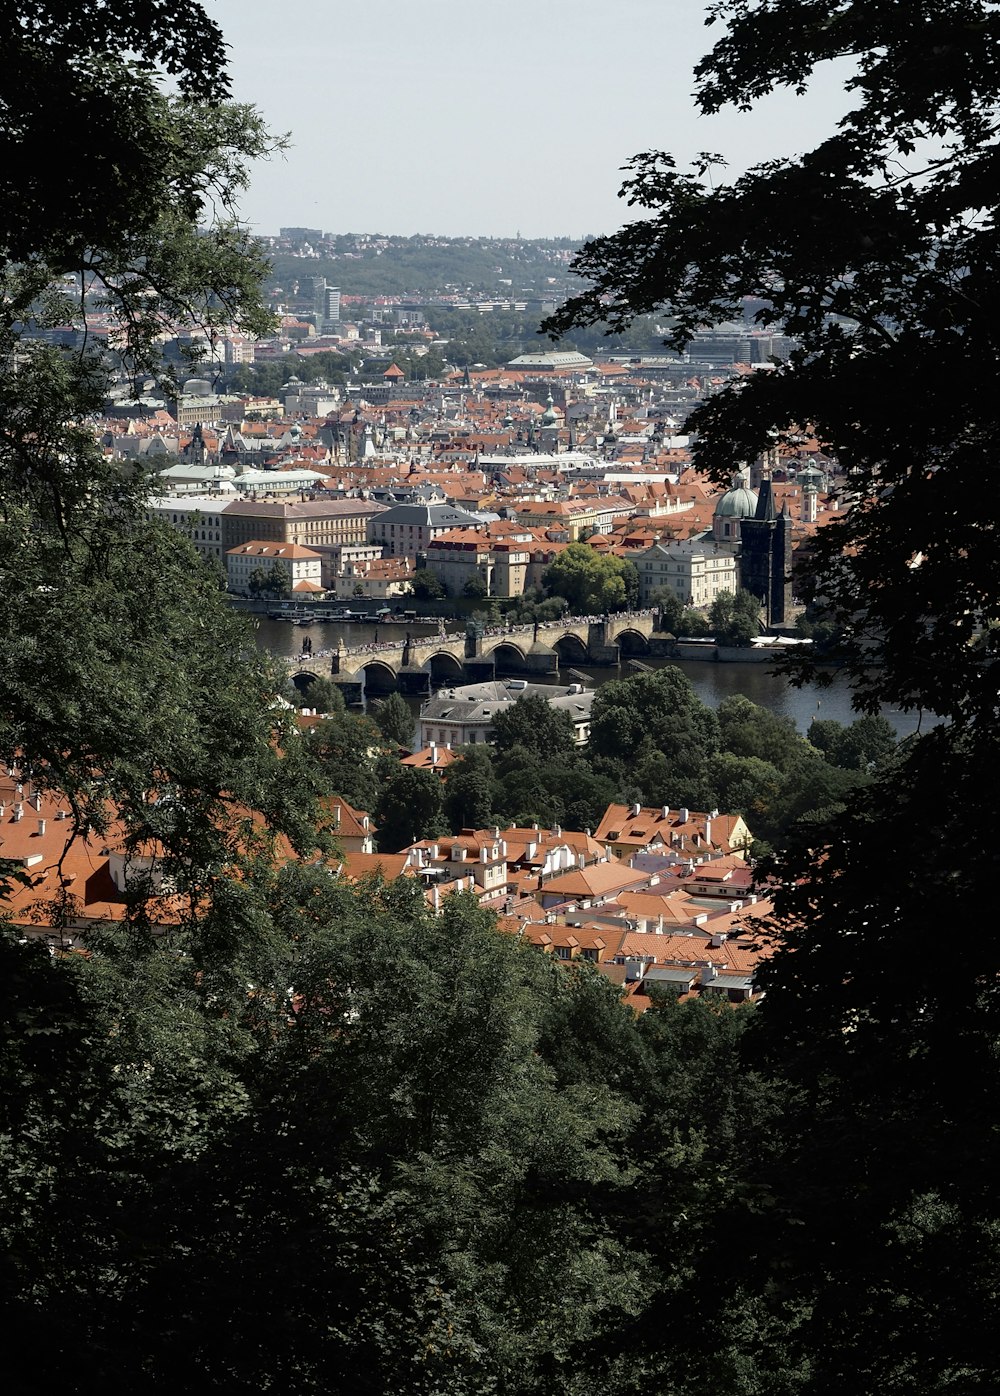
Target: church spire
{"points": [[765, 501]]}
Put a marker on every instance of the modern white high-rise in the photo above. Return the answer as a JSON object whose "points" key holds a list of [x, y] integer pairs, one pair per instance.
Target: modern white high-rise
{"points": [[331, 305]]}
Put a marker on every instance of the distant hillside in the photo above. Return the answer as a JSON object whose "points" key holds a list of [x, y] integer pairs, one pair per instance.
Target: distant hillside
{"points": [[365, 265]]}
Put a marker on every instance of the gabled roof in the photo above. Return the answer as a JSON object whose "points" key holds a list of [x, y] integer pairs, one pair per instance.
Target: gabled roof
{"points": [[596, 880]]}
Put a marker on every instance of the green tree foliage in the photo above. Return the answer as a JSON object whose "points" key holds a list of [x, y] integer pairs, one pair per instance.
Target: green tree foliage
{"points": [[748, 730], [734, 619], [871, 1238], [534, 724], [345, 748], [367, 1188], [866, 744], [408, 808], [310, 1138], [671, 610], [470, 795], [420, 265], [824, 733], [320, 693], [879, 263], [591, 582], [529, 608], [114, 633], [427, 586], [654, 712], [694, 624], [273, 582], [476, 588], [857, 1020], [268, 377], [394, 720], [747, 785]]}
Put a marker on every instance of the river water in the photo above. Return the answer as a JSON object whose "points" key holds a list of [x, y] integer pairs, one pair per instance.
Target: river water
{"points": [[712, 682]]}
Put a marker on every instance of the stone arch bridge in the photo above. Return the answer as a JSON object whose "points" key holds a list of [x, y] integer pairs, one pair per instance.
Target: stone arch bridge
{"points": [[419, 665]]}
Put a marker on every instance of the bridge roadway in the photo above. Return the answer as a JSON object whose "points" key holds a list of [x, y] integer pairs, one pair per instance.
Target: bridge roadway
{"points": [[412, 665]]}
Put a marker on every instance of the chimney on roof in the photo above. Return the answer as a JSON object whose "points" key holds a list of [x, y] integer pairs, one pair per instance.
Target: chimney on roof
{"points": [[708, 829], [665, 812], [635, 810], [18, 811], [36, 800], [683, 814], [41, 827]]}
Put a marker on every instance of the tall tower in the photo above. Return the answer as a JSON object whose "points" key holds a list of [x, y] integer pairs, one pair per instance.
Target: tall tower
{"points": [[317, 285], [810, 480], [766, 555]]}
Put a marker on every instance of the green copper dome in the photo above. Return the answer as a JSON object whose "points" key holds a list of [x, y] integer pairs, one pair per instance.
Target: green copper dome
{"points": [[737, 503]]}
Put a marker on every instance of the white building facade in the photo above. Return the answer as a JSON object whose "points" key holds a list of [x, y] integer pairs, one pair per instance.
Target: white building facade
{"points": [[304, 568], [696, 570]]}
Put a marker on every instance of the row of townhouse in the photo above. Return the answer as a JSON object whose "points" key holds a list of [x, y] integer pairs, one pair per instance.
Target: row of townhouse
{"points": [[681, 916]]}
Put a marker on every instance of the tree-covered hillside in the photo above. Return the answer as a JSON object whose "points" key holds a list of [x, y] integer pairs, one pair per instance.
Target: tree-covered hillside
{"points": [[270, 1131], [419, 266]]}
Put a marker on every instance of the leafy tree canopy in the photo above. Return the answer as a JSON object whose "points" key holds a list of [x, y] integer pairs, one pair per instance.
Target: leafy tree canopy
{"points": [[533, 723], [876, 251], [748, 730], [591, 582], [427, 586], [273, 582], [734, 618], [394, 719], [658, 710], [346, 747], [126, 671], [409, 807]]}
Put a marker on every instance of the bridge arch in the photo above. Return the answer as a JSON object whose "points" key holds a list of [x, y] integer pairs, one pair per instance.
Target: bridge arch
{"points": [[302, 678], [380, 677], [632, 642], [446, 668], [507, 657], [570, 648]]}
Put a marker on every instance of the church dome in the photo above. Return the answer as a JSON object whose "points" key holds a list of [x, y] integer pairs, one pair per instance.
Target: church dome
{"points": [[737, 503], [196, 387]]}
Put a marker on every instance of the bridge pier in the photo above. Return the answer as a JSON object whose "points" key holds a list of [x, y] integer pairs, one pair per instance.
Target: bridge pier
{"points": [[479, 669], [412, 679], [601, 648], [541, 659], [352, 686]]}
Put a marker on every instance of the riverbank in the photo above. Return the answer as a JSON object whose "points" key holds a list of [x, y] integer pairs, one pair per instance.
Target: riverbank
{"points": [[712, 680]]}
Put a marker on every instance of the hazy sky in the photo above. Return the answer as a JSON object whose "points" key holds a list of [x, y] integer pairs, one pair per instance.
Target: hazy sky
{"points": [[434, 116]]}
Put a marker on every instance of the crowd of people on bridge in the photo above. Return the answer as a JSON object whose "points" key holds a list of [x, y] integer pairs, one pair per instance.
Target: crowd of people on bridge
{"points": [[565, 622]]}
